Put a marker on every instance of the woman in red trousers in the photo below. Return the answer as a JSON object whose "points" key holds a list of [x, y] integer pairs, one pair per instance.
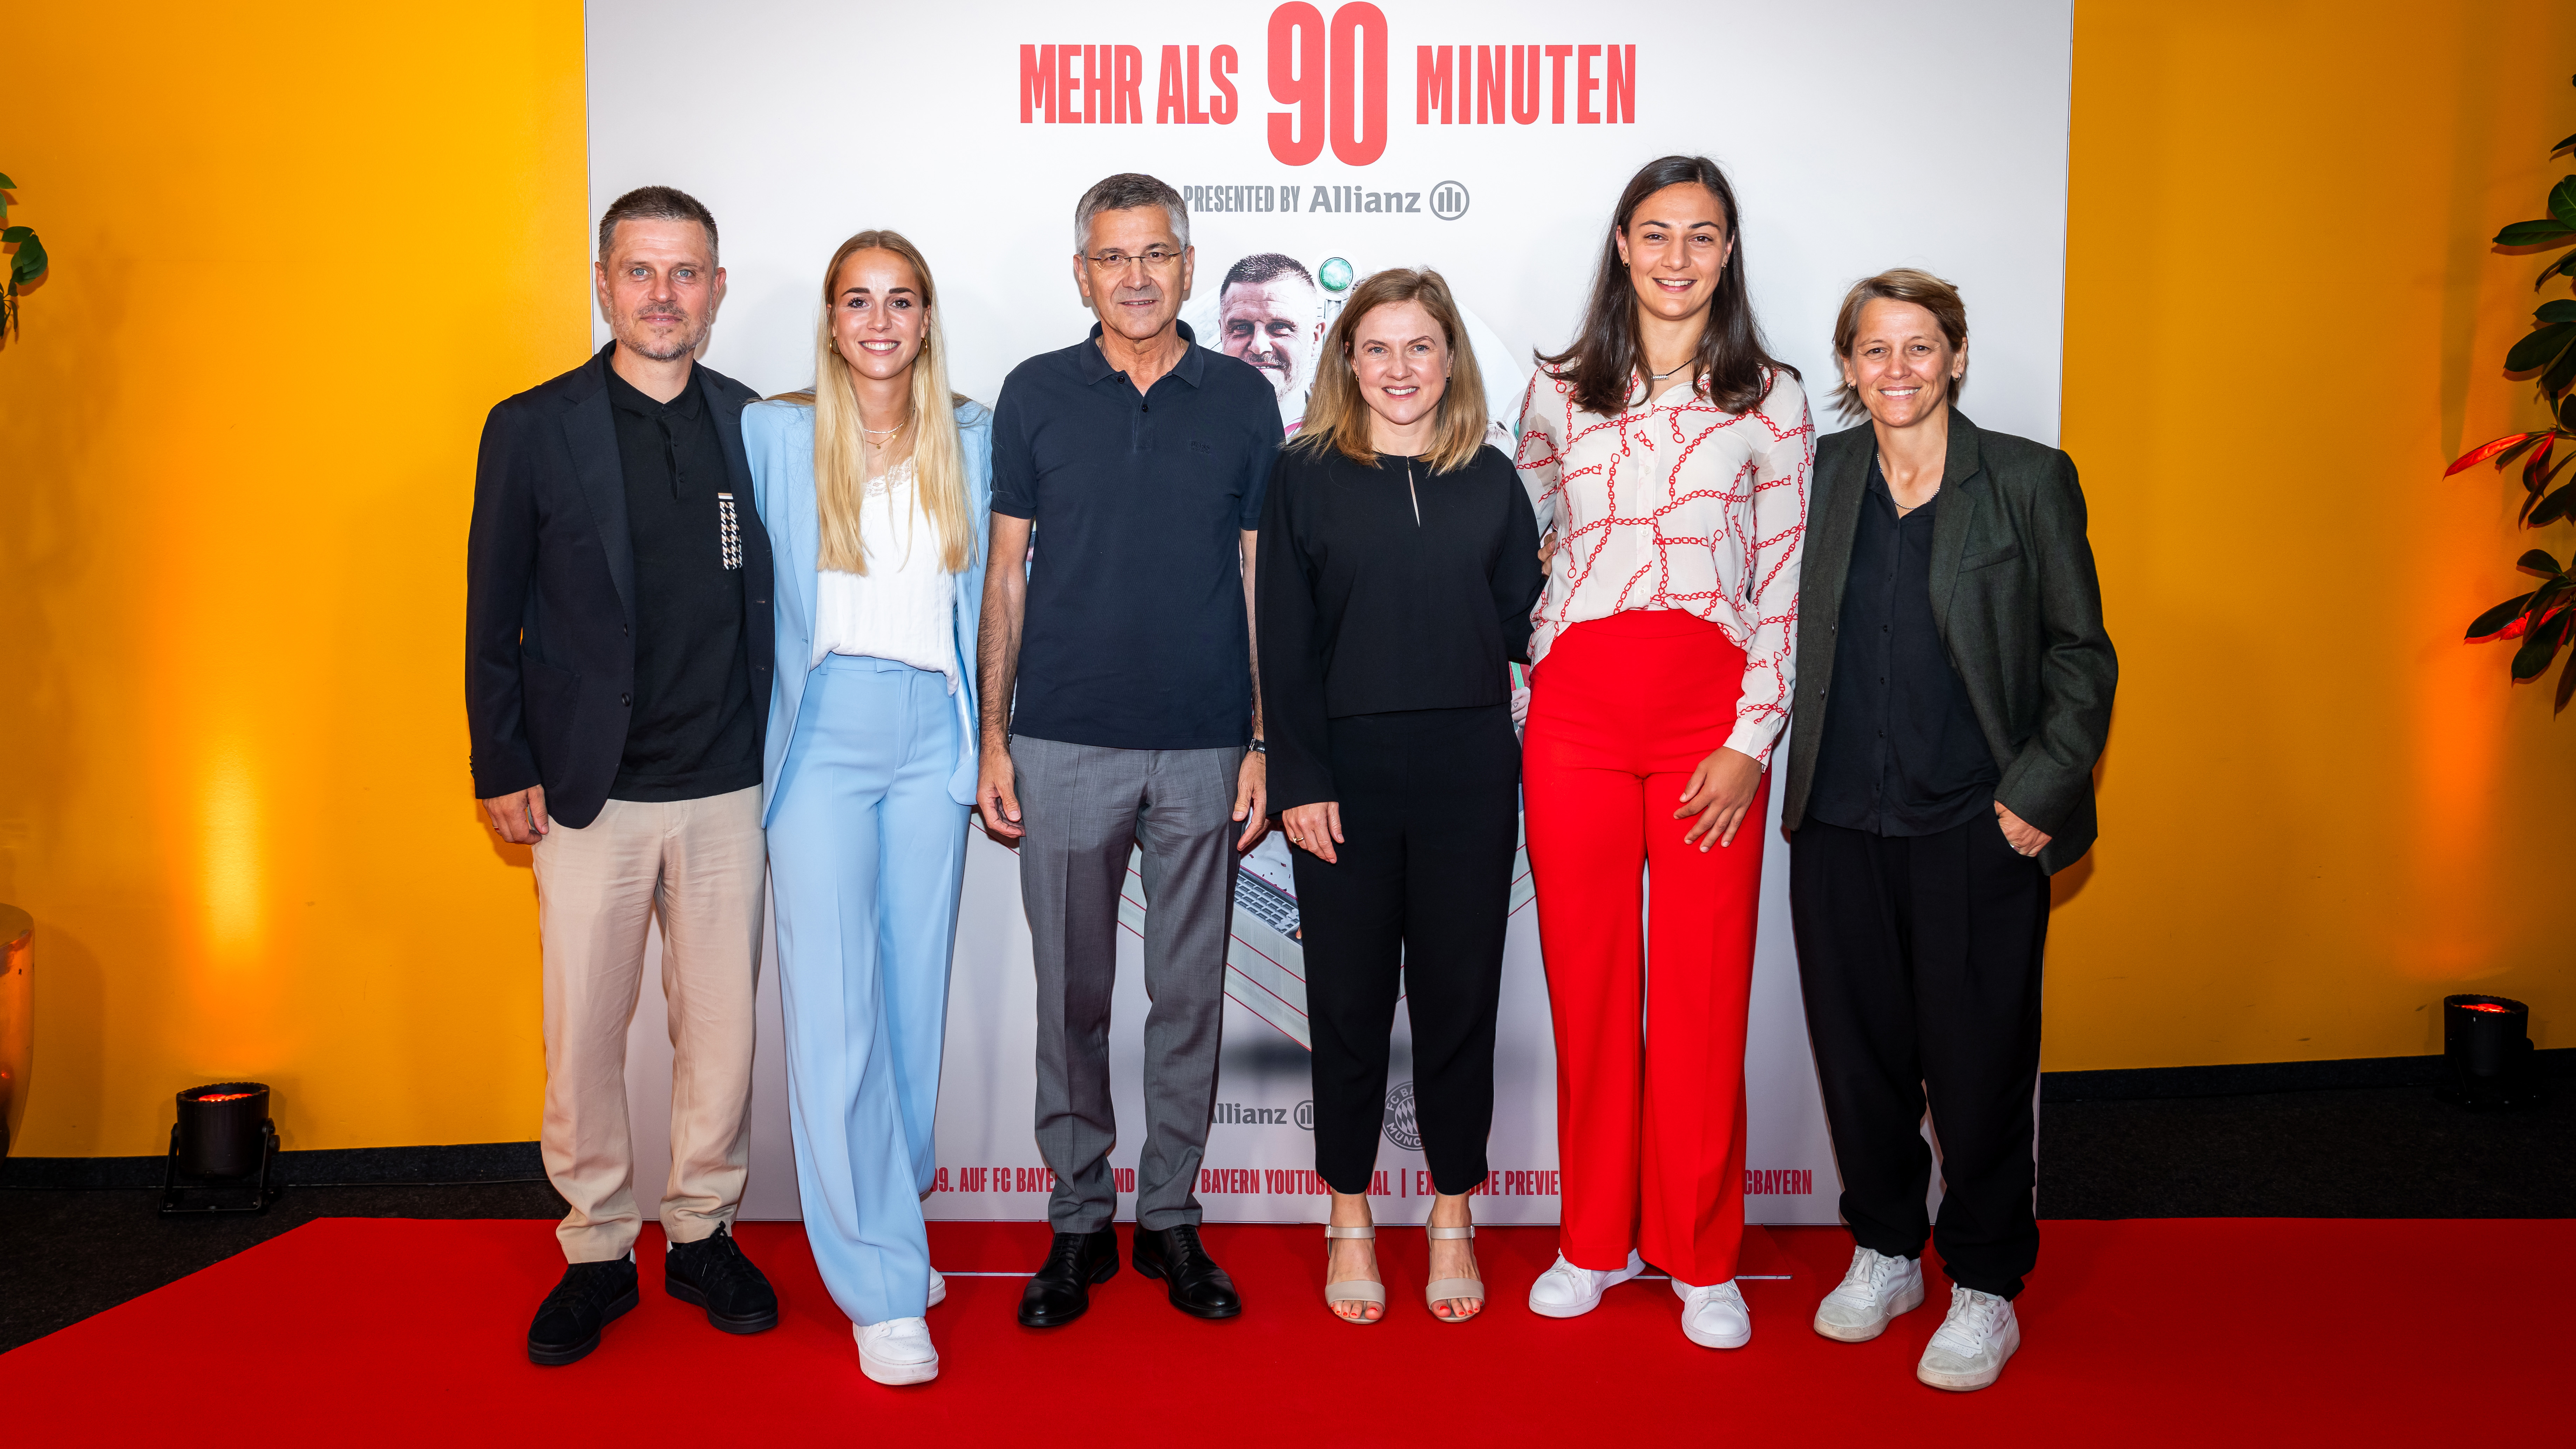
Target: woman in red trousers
{"points": [[1667, 456]]}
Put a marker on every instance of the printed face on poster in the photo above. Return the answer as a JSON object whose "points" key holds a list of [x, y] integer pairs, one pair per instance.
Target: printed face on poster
{"points": [[1314, 145]]}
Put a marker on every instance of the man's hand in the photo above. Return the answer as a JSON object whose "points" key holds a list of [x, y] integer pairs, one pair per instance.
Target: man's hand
{"points": [[1252, 798], [520, 816], [1315, 828], [997, 799], [2020, 834], [1720, 792]]}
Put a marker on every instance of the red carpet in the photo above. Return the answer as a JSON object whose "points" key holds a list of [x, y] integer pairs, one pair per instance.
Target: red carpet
{"points": [[2210, 1331]]}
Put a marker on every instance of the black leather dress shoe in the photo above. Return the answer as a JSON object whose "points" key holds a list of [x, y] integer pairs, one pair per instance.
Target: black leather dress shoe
{"points": [[569, 1321], [1198, 1286], [1061, 1291], [713, 1274]]}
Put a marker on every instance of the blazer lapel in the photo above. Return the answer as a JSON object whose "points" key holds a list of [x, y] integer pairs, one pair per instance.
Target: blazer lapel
{"points": [[1841, 488], [1963, 484], [591, 430]]}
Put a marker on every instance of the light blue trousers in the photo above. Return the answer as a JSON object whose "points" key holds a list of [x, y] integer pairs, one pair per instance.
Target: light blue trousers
{"points": [[866, 854]]}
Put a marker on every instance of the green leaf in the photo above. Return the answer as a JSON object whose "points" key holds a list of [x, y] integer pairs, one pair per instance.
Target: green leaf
{"points": [[6, 184], [2566, 685], [2554, 150], [2540, 348], [2540, 646], [2537, 561], [2565, 264], [2562, 200], [2492, 622], [2534, 233], [30, 262], [2558, 311], [21, 233], [2560, 373]]}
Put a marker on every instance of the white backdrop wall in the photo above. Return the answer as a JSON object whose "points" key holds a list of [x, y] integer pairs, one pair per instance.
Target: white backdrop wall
{"points": [[1859, 135]]}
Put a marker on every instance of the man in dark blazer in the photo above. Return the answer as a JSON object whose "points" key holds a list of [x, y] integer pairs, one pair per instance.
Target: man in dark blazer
{"points": [[617, 671], [1953, 693]]}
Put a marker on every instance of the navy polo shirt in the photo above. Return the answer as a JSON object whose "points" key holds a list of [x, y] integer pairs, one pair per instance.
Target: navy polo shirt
{"points": [[1134, 637]]}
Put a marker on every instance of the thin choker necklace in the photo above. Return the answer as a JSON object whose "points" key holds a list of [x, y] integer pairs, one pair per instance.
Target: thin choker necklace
{"points": [[887, 433], [1660, 376]]}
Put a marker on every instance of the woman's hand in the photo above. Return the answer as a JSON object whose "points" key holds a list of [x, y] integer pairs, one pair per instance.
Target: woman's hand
{"points": [[1547, 554], [1314, 828], [1721, 791], [2020, 834]]}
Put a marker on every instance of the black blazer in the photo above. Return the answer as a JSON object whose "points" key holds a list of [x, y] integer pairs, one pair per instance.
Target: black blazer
{"points": [[2015, 598], [550, 589]]}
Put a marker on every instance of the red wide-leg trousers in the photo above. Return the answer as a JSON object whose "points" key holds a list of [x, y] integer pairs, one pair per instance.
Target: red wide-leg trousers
{"points": [[1649, 1017]]}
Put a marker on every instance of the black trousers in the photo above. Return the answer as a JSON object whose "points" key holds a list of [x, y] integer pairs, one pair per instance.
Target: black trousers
{"points": [[1417, 906], [1919, 958]]}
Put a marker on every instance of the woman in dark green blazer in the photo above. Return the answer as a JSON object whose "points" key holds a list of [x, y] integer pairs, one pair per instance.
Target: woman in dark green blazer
{"points": [[1954, 690]]}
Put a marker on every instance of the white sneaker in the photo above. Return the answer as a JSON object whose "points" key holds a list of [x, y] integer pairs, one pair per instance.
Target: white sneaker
{"points": [[1566, 1291], [938, 1288], [897, 1351], [1969, 1350], [1714, 1316], [1876, 1289]]}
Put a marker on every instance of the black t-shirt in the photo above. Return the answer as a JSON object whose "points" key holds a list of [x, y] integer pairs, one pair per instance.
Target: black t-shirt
{"points": [[694, 727], [1902, 752], [1369, 607], [1135, 636]]}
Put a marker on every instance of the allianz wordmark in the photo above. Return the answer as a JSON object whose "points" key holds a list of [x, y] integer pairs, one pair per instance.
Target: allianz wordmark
{"points": [[1329, 79]]}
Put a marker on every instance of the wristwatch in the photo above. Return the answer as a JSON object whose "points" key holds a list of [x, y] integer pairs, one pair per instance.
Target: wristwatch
{"points": [[1258, 747]]}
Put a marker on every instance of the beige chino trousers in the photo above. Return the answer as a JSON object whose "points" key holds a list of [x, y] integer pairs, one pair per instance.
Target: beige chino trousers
{"points": [[699, 864]]}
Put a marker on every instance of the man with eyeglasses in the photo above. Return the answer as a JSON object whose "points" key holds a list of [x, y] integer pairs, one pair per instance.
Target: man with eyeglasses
{"points": [[1138, 458]]}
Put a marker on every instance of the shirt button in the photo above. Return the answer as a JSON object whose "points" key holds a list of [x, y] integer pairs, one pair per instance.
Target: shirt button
{"points": [[628, 699]]}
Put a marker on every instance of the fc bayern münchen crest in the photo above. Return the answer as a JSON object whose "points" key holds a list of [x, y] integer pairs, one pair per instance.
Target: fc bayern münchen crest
{"points": [[1401, 1129]]}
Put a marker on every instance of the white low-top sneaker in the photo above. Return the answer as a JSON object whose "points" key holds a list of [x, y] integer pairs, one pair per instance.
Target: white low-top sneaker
{"points": [[938, 1288], [1969, 1349], [1876, 1289], [1714, 1316], [1566, 1291], [897, 1351]]}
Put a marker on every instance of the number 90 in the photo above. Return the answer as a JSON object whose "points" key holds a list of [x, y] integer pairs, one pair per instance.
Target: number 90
{"points": [[1355, 100]]}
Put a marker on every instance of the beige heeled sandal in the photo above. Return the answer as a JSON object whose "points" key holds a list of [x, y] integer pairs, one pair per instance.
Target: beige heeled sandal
{"points": [[1354, 1290], [1442, 1290]]}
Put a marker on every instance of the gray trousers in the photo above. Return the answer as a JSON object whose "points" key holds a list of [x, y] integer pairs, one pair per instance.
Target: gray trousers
{"points": [[1085, 807]]}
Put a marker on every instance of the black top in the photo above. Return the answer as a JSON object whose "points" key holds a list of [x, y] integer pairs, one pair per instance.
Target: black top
{"points": [[694, 729], [1367, 607], [1135, 636], [1902, 753]]}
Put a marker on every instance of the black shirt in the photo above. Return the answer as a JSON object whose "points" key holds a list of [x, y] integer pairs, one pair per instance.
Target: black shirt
{"points": [[1902, 753], [1367, 607], [694, 727], [1134, 637]]}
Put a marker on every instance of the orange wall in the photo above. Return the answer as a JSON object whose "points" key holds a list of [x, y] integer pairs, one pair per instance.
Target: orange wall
{"points": [[294, 260], [2320, 810], [294, 267]]}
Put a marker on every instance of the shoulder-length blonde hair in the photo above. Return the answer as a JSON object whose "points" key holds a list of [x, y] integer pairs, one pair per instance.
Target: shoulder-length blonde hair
{"points": [[1338, 417], [938, 455]]}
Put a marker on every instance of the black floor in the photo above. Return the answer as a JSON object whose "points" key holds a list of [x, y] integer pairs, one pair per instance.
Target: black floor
{"points": [[2369, 1153]]}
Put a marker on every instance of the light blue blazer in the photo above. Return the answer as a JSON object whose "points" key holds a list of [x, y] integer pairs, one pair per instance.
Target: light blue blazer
{"points": [[779, 437]]}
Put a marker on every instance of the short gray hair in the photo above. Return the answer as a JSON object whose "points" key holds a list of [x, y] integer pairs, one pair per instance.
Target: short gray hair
{"points": [[656, 203], [1127, 191]]}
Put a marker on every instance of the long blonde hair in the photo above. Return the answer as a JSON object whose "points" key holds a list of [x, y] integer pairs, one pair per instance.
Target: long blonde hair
{"points": [[1338, 417], [938, 454]]}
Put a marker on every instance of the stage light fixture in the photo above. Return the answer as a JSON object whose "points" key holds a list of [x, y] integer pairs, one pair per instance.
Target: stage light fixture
{"points": [[224, 1139], [2487, 1042]]}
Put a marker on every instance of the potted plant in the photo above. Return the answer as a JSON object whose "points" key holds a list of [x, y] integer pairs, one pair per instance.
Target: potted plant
{"points": [[2543, 618], [27, 262]]}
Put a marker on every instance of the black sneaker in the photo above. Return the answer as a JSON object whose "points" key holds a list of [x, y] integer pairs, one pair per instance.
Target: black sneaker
{"points": [[569, 1321], [713, 1274]]}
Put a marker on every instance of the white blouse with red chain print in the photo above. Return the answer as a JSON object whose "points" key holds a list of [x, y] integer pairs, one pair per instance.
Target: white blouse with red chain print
{"points": [[1676, 505]]}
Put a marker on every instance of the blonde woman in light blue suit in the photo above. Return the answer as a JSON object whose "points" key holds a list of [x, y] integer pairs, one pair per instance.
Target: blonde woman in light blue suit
{"points": [[874, 488]]}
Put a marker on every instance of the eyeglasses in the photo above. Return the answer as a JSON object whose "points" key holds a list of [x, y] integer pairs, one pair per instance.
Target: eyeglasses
{"points": [[1156, 257]]}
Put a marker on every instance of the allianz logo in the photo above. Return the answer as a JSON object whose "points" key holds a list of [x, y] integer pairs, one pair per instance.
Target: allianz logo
{"points": [[1236, 1114]]}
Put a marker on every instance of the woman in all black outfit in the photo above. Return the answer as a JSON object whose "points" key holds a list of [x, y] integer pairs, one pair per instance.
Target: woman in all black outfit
{"points": [[1398, 565]]}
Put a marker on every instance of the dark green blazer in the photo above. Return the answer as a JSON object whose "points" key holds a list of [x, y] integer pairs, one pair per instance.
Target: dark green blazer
{"points": [[2016, 601]]}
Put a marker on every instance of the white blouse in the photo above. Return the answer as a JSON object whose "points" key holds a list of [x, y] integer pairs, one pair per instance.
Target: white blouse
{"points": [[904, 607], [1676, 505]]}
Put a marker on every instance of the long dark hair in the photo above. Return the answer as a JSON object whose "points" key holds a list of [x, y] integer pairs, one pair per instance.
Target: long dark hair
{"points": [[1604, 361]]}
